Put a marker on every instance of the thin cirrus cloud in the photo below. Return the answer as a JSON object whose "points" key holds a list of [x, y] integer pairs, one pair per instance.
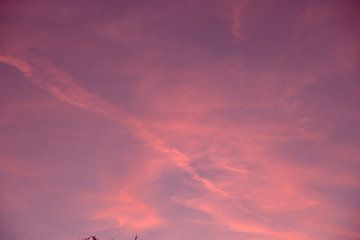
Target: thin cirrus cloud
{"points": [[61, 86], [180, 120]]}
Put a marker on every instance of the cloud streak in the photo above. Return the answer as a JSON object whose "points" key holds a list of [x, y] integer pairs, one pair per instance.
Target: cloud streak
{"points": [[63, 87]]}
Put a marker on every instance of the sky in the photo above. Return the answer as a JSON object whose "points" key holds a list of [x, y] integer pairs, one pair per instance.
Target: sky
{"points": [[191, 119]]}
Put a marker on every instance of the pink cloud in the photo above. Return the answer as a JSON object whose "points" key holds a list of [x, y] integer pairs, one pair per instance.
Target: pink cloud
{"points": [[180, 120]]}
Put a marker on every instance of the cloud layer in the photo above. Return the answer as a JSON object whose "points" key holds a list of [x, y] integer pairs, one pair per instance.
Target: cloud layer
{"points": [[180, 120]]}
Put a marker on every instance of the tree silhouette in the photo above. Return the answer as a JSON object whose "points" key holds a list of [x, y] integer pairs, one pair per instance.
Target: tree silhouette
{"points": [[94, 237]]}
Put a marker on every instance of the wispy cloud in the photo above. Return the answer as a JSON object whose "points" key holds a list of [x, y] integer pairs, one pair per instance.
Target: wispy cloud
{"points": [[237, 26], [153, 118], [64, 88]]}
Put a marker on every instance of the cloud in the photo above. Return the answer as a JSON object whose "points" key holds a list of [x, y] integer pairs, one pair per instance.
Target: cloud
{"points": [[235, 223], [237, 27], [64, 88], [129, 212], [152, 118], [18, 63]]}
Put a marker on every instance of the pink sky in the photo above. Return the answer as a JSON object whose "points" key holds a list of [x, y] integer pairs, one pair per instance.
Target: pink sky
{"points": [[178, 120]]}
